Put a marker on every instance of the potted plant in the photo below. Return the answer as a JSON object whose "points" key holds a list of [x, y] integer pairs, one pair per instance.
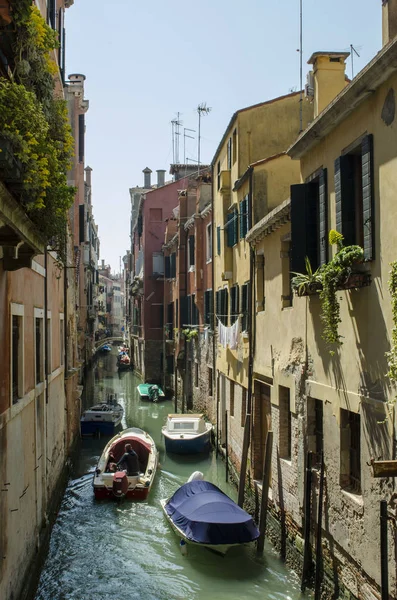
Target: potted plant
{"points": [[305, 284]]}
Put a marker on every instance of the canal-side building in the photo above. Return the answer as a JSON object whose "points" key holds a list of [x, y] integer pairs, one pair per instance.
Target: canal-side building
{"points": [[188, 324], [39, 392], [249, 161]]}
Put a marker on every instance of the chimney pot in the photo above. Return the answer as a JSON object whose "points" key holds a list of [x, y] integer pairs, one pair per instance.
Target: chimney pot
{"points": [[147, 175], [160, 177], [329, 77], [389, 21]]}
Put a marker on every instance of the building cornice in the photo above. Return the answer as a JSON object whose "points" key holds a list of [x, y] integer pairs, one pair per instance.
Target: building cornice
{"points": [[171, 243], [275, 219]]}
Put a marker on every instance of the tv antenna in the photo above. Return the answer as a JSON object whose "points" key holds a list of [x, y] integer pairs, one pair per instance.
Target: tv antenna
{"points": [[353, 52], [185, 135], [202, 109], [176, 123], [301, 65]]}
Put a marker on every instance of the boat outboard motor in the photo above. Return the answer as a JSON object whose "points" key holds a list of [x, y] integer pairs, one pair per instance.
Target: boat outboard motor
{"points": [[120, 484], [154, 393]]}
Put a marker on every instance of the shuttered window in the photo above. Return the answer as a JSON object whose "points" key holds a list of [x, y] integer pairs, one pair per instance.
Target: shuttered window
{"points": [[140, 225], [218, 240], [81, 137], [191, 251], [184, 313], [244, 217], [232, 228], [81, 224], [222, 305], [234, 303], [229, 153], [173, 265], [167, 267], [208, 309], [354, 196], [245, 306]]}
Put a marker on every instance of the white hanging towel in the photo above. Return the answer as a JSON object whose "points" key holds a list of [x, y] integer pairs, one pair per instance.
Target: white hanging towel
{"points": [[233, 335]]}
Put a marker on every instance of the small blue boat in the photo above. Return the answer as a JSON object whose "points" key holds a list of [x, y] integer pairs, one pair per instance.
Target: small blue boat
{"points": [[187, 434], [106, 348], [201, 514]]}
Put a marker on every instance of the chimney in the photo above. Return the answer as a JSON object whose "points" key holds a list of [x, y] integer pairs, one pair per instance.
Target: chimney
{"points": [[147, 172], [329, 77], [389, 21], [88, 171], [160, 177], [103, 264]]}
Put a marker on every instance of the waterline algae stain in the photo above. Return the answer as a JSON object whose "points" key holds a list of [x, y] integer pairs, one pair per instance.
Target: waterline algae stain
{"points": [[108, 549]]}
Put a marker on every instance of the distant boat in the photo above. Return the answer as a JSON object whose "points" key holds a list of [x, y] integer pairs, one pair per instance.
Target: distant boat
{"points": [[102, 418], [109, 483], [201, 514], [187, 434], [150, 391], [105, 348], [123, 361]]}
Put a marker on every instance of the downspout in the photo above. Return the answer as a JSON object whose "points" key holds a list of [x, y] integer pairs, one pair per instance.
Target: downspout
{"points": [[251, 319], [46, 324], [65, 317]]}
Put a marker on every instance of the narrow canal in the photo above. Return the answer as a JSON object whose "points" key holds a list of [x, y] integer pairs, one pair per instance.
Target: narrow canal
{"points": [[103, 550]]}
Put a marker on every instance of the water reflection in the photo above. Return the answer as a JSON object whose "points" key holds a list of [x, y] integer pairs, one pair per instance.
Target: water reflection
{"points": [[126, 549]]}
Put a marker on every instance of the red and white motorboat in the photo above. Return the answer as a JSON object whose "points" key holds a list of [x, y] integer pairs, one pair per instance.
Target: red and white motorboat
{"points": [[109, 483]]}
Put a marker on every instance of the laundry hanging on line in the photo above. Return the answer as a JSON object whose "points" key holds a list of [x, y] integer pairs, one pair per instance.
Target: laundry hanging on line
{"points": [[228, 336]]}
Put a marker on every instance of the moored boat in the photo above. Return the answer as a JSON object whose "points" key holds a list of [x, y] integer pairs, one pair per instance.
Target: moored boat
{"points": [[110, 483], [150, 391], [105, 348], [201, 514], [187, 434], [102, 418], [123, 361]]}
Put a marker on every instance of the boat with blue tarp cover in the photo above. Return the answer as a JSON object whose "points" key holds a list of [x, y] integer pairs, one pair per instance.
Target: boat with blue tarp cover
{"points": [[201, 514]]}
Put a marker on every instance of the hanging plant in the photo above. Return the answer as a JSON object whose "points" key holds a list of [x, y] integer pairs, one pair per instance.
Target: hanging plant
{"points": [[333, 274], [190, 334], [392, 354], [307, 283]]}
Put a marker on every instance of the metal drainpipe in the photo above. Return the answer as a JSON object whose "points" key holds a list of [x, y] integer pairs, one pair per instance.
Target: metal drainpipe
{"points": [[46, 325], [251, 318], [65, 317]]}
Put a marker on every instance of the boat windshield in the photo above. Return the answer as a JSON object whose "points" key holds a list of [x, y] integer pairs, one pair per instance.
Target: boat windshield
{"points": [[190, 425]]}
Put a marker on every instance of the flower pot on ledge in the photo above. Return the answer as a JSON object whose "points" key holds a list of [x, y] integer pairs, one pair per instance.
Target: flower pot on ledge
{"points": [[310, 289], [355, 281]]}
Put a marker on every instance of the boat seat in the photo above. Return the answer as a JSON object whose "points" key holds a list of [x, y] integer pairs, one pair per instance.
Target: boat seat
{"points": [[118, 450]]}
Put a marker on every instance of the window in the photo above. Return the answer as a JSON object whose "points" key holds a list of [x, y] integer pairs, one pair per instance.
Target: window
{"points": [[209, 242], [49, 344], [354, 196], [286, 273], [234, 146], [218, 240], [234, 303], [196, 377], [232, 228], [170, 364], [284, 442], [245, 306], [167, 267], [218, 175], [17, 353], [208, 309], [232, 398], [51, 13], [350, 447], [61, 339], [173, 265], [222, 305], [156, 215], [309, 223], [229, 153], [243, 406], [191, 251], [38, 343], [158, 263], [260, 282], [244, 216], [315, 429], [210, 386]]}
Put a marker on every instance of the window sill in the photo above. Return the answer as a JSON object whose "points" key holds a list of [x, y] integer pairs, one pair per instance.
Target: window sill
{"points": [[287, 461], [356, 499], [192, 269]]}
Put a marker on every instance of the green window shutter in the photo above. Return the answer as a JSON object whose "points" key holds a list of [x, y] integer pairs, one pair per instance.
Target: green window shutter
{"points": [[211, 308], [242, 219], [345, 198], [323, 216], [230, 230], [248, 212], [368, 196], [218, 305], [218, 240], [235, 226], [225, 308]]}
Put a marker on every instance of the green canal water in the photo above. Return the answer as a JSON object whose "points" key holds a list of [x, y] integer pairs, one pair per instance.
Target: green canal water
{"points": [[126, 550]]}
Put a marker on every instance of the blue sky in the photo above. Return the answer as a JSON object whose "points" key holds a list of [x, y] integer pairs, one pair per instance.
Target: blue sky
{"points": [[146, 60]]}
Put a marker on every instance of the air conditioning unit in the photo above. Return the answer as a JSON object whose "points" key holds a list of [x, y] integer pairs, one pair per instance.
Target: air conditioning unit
{"points": [[309, 87], [226, 275]]}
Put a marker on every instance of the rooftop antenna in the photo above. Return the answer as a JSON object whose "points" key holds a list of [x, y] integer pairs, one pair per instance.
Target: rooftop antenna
{"points": [[353, 51], [185, 135], [176, 123], [301, 66], [202, 109]]}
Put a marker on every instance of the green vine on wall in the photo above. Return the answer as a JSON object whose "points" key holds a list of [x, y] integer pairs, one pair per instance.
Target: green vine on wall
{"points": [[392, 354]]}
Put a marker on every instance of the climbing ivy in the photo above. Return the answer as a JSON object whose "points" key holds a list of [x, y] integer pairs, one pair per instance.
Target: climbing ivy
{"points": [[392, 354]]}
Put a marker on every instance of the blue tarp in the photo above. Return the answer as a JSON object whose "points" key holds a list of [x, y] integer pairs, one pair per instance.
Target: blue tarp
{"points": [[208, 516]]}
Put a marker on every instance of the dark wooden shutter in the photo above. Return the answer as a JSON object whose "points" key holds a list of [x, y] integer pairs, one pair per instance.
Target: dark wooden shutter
{"points": [[225, 306], [51, 13], [191, 250], [304, 226], [235, 226], [230, 231], [218, 305], [368, 196], [184, 311], [323, 216], [229, 153], [345, 198], [211, 308], [81, 224], [167, 267], [242, 217], [218, 240]]}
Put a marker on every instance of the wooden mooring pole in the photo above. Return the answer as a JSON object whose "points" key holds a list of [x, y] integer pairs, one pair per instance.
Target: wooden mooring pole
{"points": [[244, 456], [267, 466], [317, 587], [226, 448], [384, 566], [308, 509]]}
